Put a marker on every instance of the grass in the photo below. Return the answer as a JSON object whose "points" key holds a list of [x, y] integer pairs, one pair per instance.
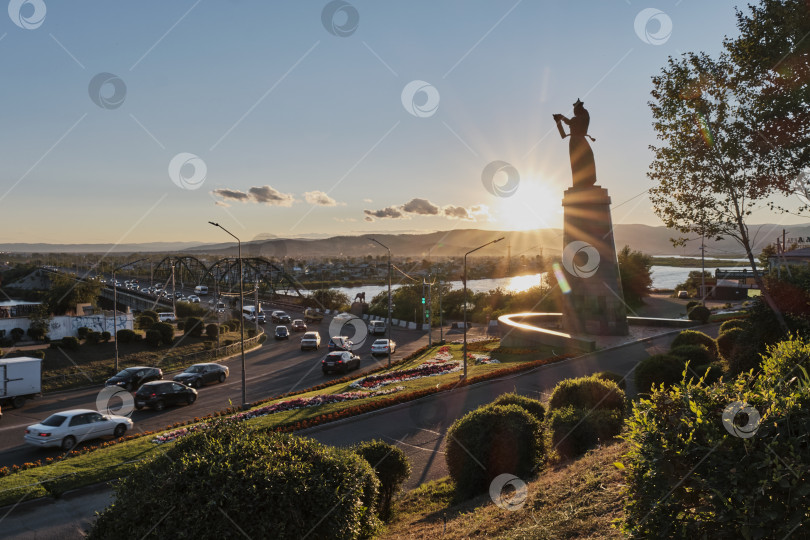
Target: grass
{"points": [[90, 364], [113, 461], [578, 499]]}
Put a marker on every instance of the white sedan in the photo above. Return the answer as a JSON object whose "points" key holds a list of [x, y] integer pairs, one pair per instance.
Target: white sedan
{"points": [[68, 428], [193, 298], [380, 346]]}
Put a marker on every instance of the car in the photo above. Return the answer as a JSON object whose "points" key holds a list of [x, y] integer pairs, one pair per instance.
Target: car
{"points": [[340, 343], [279, 316], [178, 294], [299, 325], [380, 346], [220, 307], [68, 428], [683, 294], [193, 298], [132, 377], [282, 332], [199, 374], [376, 328], [158, 394], [312, 315], [311, 340], [145, 291], [340, 361], [166, 316]]}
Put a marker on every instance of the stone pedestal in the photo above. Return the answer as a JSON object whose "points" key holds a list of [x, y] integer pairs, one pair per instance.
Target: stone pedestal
{"points": [[595, 302]]}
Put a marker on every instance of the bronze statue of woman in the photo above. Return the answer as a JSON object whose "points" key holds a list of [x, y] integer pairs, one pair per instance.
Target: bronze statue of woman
{"points": [[583, 168]]}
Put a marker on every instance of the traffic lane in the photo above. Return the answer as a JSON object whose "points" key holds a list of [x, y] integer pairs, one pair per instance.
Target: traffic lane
{"points": [[419, 428], [270, 371]]}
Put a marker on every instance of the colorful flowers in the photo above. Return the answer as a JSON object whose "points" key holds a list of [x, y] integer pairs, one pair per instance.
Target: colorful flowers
{"points": [[281, 406], [428, 369]]}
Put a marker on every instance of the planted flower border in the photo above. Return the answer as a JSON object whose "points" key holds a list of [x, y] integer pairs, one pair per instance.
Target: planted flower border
{"points": [[289, 405]]}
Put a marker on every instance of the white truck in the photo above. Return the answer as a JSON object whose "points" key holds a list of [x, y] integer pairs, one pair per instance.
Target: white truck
{"points": [[20, 379]]}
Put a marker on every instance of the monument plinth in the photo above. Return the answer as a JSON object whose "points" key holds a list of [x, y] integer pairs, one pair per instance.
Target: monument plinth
{"points": [[595, 302]]}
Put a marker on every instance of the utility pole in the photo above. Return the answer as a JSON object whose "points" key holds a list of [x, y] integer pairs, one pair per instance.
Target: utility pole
{"points": [[702, 268], [174, 295], [256, 308]]}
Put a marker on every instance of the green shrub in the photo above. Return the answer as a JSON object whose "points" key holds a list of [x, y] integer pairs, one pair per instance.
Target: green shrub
{"points": [[125, 335], [193, 326], [36, 333], [251, 332], [145, 322], [69, 342], [208, 345], [82, 332], [690, 304], [691, 473], [184, 310], [658, 369], [695, 337], [181, 325], [727, 341], [17, 334], [150, 313], [695, 354], [105, 336], [575, 430], [611, 376], [212, 331], [268, 485], [223, 328], [589, 393], [392, 468], [733, 323], [166, 331], [92, 337], [699, 313], [504, 438], [711, 372], [153, 338], [533, 406], [262, 338]]}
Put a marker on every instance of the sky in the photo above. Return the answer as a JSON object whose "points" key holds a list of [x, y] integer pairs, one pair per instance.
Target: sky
{"points": [[143, 121]]}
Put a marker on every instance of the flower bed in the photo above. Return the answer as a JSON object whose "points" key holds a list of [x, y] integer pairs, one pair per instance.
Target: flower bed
{"points": [[428, 369], [289, 405]]}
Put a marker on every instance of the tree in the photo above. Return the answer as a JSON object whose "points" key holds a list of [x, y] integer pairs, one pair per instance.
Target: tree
{"points": [[709, 176], [636, 276], [66, 292], [330, 299], [772, 60]]}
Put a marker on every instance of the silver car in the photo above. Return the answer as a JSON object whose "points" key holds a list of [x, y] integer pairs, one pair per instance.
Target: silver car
{"points": [[68, 428]]}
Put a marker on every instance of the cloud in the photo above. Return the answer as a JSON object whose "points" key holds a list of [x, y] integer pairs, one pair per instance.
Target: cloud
{"points": [[457, 212], [231, 194], [271, 196], [420, 206], [368, 201], [346, 220], [390, 212], [319, 198], [222, 203], [481, 212], [369, 218]]}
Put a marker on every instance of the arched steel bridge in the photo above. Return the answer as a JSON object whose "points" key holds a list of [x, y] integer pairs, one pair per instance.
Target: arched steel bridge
{"points": [[223, 275]]}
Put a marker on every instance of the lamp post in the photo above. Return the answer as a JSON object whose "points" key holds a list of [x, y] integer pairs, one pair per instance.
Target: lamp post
{"points": [[115, 307], [245, 404], [388, 325], [464, 350]]}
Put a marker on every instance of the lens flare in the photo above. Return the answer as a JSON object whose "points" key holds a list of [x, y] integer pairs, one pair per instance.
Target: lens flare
{"points": [[561, 281], [705, 130]]}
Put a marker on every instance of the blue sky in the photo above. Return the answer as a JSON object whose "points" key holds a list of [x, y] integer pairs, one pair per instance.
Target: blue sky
{"points": [[266, 97]]}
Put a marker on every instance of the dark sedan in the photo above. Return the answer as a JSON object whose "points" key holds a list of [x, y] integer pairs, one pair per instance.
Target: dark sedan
{"points": [[133, 377], [340, 361], [282, 332], [199, 374], [160, 394]]}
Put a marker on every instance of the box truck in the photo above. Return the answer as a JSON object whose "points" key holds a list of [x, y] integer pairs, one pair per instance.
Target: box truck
{"points": [[20, 379]]}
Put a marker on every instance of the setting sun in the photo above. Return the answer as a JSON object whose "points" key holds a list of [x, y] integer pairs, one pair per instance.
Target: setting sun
{"points": [[535, 205]]}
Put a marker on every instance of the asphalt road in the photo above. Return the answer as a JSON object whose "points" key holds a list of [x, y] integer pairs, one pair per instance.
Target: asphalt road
{"points": [[277, 367]]}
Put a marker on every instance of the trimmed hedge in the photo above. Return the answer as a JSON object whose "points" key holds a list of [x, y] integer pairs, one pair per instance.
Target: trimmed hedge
{"points": [[268, 484], [733, 323], [533, 406], [728, 340], [92, 337], [490, 441], [153, 338], [145, 322], [695, 337], [193, 326], [713, 375], [166, 332], [611, 376], [700, 314], [70, 343], [588, 393], [392, 468], [658, 369], [82, 332], [575, 430], [126, 335], [695, 354], [212, 330]]}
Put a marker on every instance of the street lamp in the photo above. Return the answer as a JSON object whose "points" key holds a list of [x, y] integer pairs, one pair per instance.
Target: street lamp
{"points": [[389, 297], [245, 404], [464, 352], [115, 307]]}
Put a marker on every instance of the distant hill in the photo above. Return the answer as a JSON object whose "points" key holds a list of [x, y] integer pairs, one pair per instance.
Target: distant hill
{"points": [[644, 238]]}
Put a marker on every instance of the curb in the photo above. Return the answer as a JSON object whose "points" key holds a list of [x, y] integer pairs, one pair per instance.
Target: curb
{"points": [[39, 502]]}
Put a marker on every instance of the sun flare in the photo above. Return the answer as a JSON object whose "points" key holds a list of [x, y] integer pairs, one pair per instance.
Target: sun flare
{"points": [[535, 205]]}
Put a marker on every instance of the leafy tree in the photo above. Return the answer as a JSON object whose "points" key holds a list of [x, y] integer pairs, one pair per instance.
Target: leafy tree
{"points": [[66, 292], [40, 321], [709, 178], [636, 275], [330, 299]]}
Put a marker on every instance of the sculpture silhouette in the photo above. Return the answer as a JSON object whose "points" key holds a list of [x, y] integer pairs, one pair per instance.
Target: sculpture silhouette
{"points": [[361, 296], [583, 168]]}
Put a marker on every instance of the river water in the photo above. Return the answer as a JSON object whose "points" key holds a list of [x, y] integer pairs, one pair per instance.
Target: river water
{"points": [[664, 277]]}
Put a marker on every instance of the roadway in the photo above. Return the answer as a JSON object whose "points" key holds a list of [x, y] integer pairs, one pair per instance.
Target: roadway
{"points": [[277, 367]]}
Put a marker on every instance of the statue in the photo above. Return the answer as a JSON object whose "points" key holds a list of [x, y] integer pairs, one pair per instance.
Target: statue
{"points": [[361, 296], [583, 168]]}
